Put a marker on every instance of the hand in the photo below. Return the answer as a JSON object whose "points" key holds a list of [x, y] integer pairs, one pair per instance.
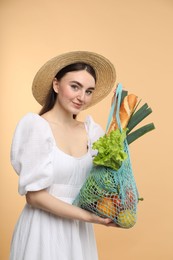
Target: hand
{"points": [[112, 224], [103, 221]]}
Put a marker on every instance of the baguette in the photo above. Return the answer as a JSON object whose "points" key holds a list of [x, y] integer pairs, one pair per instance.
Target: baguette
{"points": [[126, 110]]}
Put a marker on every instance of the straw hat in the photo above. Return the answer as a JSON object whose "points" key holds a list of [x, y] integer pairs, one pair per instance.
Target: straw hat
{"points": [[105, 74]]}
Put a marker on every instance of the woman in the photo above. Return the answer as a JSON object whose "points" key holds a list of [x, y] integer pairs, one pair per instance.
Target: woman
{"points": [[52, 154]]}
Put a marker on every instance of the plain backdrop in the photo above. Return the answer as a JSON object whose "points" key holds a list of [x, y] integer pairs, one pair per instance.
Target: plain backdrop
{"points": [[137, 36]]}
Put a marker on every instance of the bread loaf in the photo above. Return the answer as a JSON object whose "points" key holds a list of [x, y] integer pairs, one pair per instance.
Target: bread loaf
{"points": [[126, 109]]}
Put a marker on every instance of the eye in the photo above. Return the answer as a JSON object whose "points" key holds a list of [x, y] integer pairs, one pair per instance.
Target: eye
{"points": [[89, 92], [74, 86]]}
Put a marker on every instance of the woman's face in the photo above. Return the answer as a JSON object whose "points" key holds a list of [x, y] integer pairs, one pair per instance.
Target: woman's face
{"points": [[74, 90]]}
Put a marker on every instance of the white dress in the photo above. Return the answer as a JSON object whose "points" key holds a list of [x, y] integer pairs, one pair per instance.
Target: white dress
{"points": [[40, 164]]}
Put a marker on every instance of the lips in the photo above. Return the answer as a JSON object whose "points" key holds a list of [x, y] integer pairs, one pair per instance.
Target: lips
{"points": [[77, 105]]}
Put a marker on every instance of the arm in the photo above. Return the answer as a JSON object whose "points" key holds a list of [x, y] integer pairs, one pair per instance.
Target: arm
{"points": [[45, 201]]}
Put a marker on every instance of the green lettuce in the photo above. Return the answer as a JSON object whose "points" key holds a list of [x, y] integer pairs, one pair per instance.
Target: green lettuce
{"points": [[110, 149]]}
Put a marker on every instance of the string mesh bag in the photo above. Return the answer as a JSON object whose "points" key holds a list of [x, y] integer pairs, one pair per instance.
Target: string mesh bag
{"points": [[111, 192]]}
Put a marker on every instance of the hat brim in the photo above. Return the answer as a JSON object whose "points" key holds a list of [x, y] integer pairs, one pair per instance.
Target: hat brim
{"points": [[104, 69]]}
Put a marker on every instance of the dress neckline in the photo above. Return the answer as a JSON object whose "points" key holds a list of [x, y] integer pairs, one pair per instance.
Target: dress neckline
{"points": [[55, 144]]}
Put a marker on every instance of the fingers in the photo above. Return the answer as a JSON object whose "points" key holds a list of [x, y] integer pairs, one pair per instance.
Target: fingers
{"points": [[113, 225], [108, 222], [103, 221]]}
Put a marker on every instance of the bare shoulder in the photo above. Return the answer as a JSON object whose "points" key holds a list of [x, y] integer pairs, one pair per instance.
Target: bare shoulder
{"points": [[46, 115]]}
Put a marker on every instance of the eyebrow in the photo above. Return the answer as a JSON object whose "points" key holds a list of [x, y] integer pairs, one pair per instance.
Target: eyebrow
{"points": [[78, 83]]}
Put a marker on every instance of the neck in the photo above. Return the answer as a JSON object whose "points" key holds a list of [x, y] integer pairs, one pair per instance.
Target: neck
{"points": [[60, 116]]}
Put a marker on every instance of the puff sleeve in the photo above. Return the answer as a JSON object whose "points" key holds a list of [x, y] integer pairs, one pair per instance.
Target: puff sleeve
{"points": [[32, 153], [95, 131]]}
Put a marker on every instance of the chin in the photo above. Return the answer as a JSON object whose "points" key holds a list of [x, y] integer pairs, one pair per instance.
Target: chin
{"points": [[76, 111]]}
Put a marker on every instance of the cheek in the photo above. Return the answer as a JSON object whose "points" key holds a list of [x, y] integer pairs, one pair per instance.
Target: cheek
{"points": [[64, 93], [88, 99]]}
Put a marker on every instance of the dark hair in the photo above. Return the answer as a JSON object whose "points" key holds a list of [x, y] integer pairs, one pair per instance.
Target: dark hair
{"points": [[51, 97]]}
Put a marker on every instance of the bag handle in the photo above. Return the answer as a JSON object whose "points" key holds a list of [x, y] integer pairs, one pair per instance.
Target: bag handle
{"points": [[116, 102]]}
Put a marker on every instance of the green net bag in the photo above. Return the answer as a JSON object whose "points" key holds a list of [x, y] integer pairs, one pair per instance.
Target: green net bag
{"points": [[110, 191]]}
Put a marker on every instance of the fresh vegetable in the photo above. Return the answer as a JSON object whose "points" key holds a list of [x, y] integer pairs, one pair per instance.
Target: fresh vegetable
{"points": [[92, 190], [129, 197], [117, 202], [105, 178], [106, 207], [124, 94], [131, 200], [138, 116], [139, 132], [126, 218], [131, 117], [110, 149]]}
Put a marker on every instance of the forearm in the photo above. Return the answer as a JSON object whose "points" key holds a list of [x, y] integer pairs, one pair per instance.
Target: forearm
{"points": [[45, 201]]}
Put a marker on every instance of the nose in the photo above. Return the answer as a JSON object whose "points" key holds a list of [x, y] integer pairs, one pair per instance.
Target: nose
{"points": [[81, 95]]}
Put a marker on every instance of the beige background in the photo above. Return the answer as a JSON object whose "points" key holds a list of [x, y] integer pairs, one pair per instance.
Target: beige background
{"points": [[136, 35]]}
